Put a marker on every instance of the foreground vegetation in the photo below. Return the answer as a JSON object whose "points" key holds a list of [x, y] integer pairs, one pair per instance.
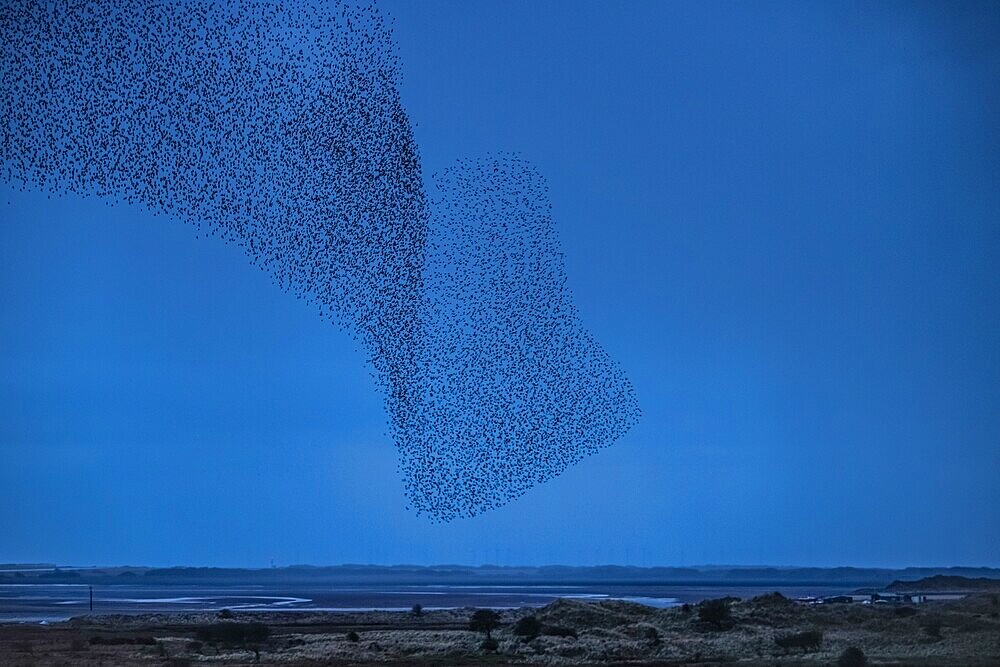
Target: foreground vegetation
{"points": [[764, 630]]}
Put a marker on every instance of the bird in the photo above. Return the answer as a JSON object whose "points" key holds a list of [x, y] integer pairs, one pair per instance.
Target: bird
{"points": [[279, 127]]}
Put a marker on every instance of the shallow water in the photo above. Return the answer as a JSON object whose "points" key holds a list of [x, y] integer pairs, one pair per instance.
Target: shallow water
{"points": [[54, 602]]}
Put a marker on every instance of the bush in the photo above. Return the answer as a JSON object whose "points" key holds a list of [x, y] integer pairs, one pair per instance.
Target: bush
{"points": [[651, 634], [685, 608], [905, 612], [528, 626], [715, 612], [852, 657], [225, 613], [489, 644], [811, 639], [417, 610], [484, 620], [233, 633], [352, 636], [974, 625], [558, 631], [118, 641]]}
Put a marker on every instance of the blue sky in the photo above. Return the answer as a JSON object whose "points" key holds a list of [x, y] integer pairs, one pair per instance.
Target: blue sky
{"points": [[783, 220]]}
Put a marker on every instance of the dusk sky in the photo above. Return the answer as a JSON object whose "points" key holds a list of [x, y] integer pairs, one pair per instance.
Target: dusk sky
{"points": [[781, 218]]}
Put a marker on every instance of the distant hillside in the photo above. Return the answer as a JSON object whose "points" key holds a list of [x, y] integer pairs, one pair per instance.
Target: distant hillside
{"points": [[948, 583], [462, 575]]}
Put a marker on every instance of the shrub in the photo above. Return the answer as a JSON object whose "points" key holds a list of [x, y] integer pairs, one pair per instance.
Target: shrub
{"points": [[773, 599], [905, 612], [651, 634], [225, 613], [484, 620], [233, 633], [685, 608], [715, 612], [528, 626], [558, 631], [852, 657], [489, 644], [119, 641], [417, 610], [974, 625], [352, 636], [811, 639]]}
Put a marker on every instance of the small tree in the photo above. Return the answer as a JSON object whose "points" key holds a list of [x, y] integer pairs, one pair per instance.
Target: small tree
{"points": [[484, 620], [417, 610], [248, 635], [352, 636]]}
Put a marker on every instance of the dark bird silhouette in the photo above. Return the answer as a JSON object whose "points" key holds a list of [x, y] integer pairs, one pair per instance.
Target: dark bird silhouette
{"points": [[278, 126]]}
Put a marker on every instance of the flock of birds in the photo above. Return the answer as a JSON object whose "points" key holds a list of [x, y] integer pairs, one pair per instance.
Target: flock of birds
{"points": [[278, 126]]}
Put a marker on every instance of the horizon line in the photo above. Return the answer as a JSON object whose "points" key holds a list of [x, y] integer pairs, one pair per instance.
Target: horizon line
{"points": [[39, 566]]}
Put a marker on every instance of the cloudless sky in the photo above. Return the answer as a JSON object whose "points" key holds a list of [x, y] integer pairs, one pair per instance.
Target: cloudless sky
{"points": [[782, 218]]}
